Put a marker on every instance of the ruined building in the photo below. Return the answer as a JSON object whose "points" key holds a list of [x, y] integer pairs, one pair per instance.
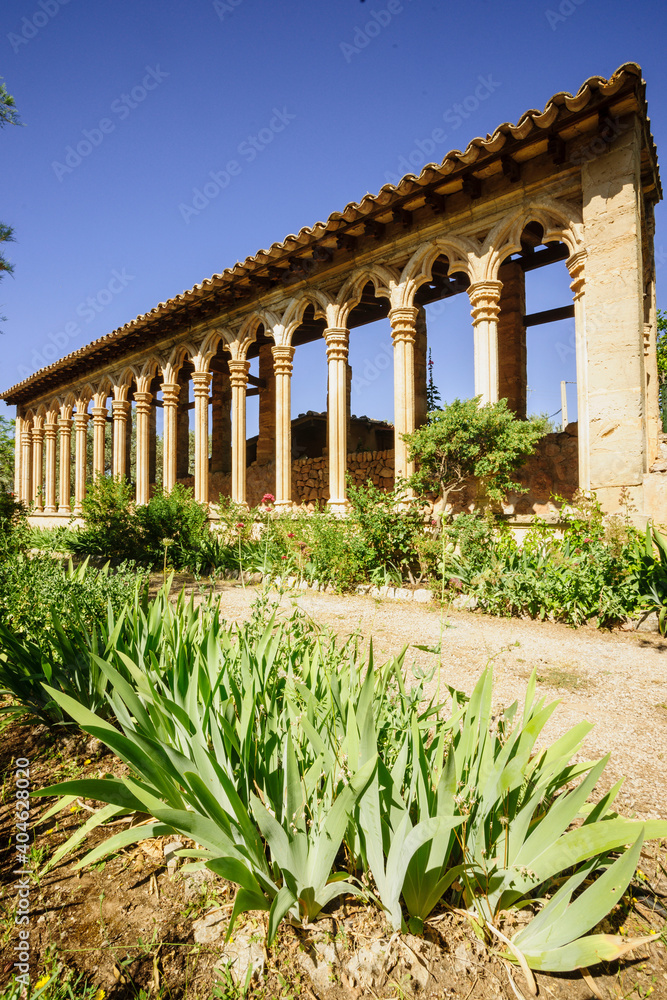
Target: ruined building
{"points": [[577, 182]]}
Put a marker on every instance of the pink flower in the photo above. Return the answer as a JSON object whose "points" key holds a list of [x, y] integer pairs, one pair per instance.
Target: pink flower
{"points": [[268, 498], [240, 524], [283, 557], [290, 534]]}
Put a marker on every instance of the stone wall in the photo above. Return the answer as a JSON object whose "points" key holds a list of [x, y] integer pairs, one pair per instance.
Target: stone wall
{"points": [[310, 476], [552, 469]]}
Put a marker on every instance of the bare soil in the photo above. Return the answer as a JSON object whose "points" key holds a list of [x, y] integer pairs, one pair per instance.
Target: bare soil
{"points": [[132, 925]]}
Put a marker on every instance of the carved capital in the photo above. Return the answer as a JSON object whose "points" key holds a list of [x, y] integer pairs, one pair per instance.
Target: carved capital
{"points": [[120, 408], [201, 382], [403, 321], [81, 421], [576, 265], [170, 393], [37, 435], [337, 340], [100, 415], [65, 425], [485, 300], [238, 373], [143, 402], [282, 359]]}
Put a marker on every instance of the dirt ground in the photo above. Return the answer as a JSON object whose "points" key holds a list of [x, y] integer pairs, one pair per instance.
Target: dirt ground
{"points": [[132, 925]]}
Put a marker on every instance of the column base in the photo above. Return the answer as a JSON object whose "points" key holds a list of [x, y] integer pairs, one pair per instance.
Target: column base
{"points": [[65, 510], [283, 506], [51, 510], [339, 507]]}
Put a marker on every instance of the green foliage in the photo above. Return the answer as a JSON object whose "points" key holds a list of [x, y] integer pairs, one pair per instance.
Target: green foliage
{"points": [[14, 530], [110, 528], [654, 576], [6, 454], [50, 621], [465, 440], [271, 746], [8, 115], [432, 393], [116, 529], [176, 518], [388, 525], [591, 568]]}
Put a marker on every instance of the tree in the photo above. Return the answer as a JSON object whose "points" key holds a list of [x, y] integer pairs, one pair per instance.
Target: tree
{"points": [[432, 393], [7, 454], [466, 439], [8, 116], [661, 345]]}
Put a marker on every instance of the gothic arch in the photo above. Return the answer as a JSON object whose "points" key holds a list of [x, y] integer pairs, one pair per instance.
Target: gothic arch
{"points": [[561, 222]]}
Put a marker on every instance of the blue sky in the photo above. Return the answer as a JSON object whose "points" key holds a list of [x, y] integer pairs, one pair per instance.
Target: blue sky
{"points": [[296, 108]]}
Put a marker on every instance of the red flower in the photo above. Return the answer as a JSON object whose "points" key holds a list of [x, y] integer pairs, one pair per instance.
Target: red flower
{"points": [[240, 524], [290, 534], [268, 498]]}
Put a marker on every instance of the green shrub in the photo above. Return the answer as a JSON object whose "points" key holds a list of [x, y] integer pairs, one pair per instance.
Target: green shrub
{"points": [[51, 621], [389, 526], [14, 529], [110, 528], [592, 568], [177, 518], [466, 439]]}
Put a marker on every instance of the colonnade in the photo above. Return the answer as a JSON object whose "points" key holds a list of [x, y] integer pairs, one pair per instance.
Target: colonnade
{"points": [[53, 424], [49, 423]]}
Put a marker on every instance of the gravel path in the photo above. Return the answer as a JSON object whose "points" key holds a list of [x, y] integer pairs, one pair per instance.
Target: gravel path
{"points": [[616, 680]]}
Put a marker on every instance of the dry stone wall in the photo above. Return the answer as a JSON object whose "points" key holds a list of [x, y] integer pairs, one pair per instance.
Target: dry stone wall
{"points": [[551, 470]]}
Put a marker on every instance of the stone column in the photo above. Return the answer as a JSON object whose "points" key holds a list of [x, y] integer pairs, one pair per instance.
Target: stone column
{"points": [[120, 409], [512, 360], [238, 375], [99, 429], [37, 463], [201, 382], [143, 401], [65, 427], [337, 341], [26, 462], [282, 361], [170, 391], [266, 441], [485, 299], [576, 266], [81, 418], [403, 331], [18, 430], [50, 433], [614, 316]]}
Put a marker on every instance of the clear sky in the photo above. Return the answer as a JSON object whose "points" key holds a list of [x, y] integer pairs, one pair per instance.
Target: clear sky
{"points": [[131, 108]]}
